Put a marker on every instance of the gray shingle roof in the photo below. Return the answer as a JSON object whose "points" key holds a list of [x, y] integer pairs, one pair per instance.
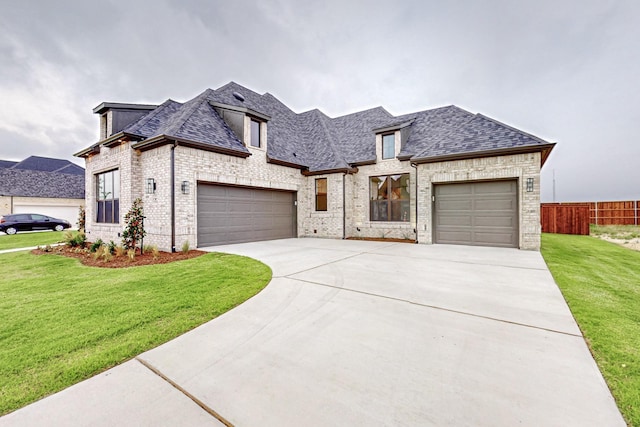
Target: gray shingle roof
{"points": [[30, 183], [317, 142], [48, 164], [7, 163], [479, 134]]}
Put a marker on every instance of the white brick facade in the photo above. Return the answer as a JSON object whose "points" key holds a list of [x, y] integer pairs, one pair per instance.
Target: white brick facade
{"points": [[519, 166], [351, 207]]}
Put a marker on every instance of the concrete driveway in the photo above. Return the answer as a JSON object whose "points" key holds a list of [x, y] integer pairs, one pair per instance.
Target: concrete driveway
{"points": [[359, 333]]}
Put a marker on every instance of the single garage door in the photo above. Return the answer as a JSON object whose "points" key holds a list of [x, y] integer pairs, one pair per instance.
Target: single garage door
{"points": [[229, 214], [477, 213]]}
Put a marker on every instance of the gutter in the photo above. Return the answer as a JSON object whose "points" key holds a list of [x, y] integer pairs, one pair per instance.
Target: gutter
{"points": [[344, 207], [415, 166], [173, 196], [323, 172], [165, 139], [486, 153]]}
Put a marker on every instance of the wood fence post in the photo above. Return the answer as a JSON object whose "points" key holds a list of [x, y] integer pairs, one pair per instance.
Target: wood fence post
{"points": [[596, 213]]}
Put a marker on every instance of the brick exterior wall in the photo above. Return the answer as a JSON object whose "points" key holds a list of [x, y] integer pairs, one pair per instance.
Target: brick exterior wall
{"points": [[127, 161], [359, 223], [193, 166], [520, 166]]}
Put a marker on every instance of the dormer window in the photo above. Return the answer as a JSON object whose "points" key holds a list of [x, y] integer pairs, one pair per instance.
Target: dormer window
{"points": [[388, 146], [255, 134]]}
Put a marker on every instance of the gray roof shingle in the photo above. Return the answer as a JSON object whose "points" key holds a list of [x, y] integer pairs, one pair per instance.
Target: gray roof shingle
{"points": [[32, 183], [48, 164], [319, 143], [7, 163]]}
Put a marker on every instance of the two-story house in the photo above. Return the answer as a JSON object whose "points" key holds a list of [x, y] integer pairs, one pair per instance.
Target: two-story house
{"points": [[233, 166]]}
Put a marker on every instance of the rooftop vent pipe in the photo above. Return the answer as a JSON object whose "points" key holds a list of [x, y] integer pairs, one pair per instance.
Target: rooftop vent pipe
{"points": [[238, 96]]}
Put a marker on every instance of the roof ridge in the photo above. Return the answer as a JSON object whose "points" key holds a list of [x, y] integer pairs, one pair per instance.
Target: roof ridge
{"points": [[330, 139], [191, 109], [144, 119]]}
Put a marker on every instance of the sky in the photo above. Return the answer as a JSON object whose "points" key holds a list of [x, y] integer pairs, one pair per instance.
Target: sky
{"points": [[565, 71]]}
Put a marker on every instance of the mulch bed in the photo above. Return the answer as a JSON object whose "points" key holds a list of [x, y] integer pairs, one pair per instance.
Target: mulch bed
{"points": [[87, 258]]}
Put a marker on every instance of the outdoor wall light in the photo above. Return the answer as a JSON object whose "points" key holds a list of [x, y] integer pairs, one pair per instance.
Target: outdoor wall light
{"points": [[529, 185], [184, 187], [151, 186]]}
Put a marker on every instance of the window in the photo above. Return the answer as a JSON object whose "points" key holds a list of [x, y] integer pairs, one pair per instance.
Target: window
{"points": [[255, 134], [388, 146], [389, 198], [108, 197], [321, 194]]}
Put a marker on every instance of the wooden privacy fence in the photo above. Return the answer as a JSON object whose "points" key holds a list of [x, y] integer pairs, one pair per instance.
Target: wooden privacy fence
{"points": [[615, 213], [559, 218], [570, 218]]}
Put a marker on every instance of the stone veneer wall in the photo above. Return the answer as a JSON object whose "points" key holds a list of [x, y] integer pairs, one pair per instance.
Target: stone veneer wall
{"points": [[519, 166]]}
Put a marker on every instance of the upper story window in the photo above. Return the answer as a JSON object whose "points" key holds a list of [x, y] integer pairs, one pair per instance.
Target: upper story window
{"points": [[389, 198], [388, 146], [321, 194], [255, 134], [108, 197]]}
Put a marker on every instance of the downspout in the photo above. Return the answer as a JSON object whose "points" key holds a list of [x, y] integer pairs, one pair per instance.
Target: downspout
{"points": [[415, 166], [173, 197], [344, 208]]}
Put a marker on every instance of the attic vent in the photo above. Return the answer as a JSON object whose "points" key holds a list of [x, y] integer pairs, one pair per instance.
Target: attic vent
{"points": [[238, 96]]}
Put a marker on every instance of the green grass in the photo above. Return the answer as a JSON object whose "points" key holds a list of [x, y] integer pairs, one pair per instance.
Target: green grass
{"points": [[26, 240], [601, 283], [624, 232], [63, 322]]}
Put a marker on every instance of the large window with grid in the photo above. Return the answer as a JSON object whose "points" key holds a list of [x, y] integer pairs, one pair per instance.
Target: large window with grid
{"points": [[389, 198], [108, 197]]}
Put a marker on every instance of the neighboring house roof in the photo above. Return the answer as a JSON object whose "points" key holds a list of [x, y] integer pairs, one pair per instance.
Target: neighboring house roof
{"points": [[318, 143], [7, 163], [31, 183], [48, 164]]}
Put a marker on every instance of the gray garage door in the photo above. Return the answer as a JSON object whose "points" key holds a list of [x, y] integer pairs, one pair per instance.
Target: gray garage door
{"points": [[238, 214], [478, 213]]}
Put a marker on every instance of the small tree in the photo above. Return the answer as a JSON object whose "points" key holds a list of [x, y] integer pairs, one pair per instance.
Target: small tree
{"points": [[81, 219], [134, 230]]}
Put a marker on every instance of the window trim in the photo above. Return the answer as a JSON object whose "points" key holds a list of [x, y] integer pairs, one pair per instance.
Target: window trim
{"points": [[393, 134], [392, 204], [251, 133], [113, 203], [319, 196]]}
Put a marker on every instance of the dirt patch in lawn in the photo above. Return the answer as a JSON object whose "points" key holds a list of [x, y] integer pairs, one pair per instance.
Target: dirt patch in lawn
{"points": [[633, 244], [123, 261]]}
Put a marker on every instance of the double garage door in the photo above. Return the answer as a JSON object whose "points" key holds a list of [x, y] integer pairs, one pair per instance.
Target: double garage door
{"points": [[228, 214], [477, 213]]}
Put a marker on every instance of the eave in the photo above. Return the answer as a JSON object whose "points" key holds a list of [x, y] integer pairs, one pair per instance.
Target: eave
{"points": [[285, 163], [544, 149], [160, 140], [244, 110], [330, 171]]}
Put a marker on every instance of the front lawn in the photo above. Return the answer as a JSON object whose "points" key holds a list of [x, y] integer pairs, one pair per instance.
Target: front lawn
{"points": [[63, 322], [601, 283], [26, 240]]}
